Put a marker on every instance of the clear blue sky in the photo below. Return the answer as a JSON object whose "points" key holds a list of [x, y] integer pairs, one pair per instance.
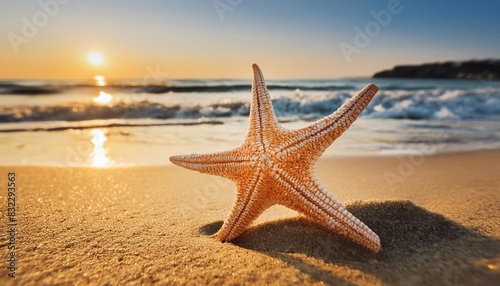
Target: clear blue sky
{"points": [[190, 39]]}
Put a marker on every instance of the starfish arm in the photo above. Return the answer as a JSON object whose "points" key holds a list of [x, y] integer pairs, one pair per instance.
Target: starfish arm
{"points": [[321, 134], [249, 204], [230, 164], [310, 198], [262, 118]]}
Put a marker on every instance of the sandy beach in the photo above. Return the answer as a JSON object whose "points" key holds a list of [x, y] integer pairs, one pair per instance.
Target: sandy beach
{"points": [[397, 103], [438, 218]]}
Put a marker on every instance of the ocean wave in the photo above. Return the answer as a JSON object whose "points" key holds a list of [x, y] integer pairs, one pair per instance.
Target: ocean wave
{"points": [[15, 89], [47, 89], [91, 124], [435, 104]]}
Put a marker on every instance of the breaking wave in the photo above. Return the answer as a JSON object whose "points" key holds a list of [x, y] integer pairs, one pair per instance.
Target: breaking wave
{"points": [[430, 104]]}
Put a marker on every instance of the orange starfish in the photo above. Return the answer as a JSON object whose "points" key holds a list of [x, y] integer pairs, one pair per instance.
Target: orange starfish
{"points": [[275, 165]]}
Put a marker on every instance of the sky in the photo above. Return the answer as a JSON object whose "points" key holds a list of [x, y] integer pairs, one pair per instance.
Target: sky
{"points": [[51, 39]]}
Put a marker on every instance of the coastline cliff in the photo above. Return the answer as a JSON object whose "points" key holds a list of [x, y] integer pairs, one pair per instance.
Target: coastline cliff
{"points": [[473, 69]]}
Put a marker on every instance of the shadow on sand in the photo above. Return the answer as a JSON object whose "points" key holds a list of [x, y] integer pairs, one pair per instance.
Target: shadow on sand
{"points": [[418, 247]]}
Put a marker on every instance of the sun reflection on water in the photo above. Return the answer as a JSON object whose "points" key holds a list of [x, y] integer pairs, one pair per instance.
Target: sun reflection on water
{"points": [[100, 80], [99, 154], [103, 98]]}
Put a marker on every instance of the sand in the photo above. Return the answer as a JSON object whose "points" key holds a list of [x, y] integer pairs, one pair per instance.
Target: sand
{"points": [[438, 219]]}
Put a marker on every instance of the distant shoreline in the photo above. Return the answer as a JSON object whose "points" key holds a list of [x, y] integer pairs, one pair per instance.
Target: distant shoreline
{"points": [[473, 69]]}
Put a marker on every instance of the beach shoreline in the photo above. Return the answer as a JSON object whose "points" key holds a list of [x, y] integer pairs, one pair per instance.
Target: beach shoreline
{"points": [[437, 217]]}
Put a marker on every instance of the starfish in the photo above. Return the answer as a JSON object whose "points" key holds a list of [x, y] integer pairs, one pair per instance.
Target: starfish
{"points": [[275, 165]]}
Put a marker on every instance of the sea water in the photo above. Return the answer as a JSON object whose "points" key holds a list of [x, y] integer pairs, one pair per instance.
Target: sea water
{"points": [[106, 123]]}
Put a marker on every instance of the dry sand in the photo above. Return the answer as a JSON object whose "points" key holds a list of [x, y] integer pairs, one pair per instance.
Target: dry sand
{"points": [[438, 219]]}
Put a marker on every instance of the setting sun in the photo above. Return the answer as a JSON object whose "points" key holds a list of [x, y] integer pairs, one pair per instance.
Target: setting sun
{"points": [[95, 58]]}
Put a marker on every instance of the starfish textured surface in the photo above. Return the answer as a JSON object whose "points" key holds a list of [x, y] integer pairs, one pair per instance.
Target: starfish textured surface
{"points": [[275, 165]]}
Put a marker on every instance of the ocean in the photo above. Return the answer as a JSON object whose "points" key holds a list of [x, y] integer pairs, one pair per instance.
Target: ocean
{"points": [[107, 123]]}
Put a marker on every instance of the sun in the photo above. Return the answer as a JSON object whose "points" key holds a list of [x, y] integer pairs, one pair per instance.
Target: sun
{"points": [[95, 58]]}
